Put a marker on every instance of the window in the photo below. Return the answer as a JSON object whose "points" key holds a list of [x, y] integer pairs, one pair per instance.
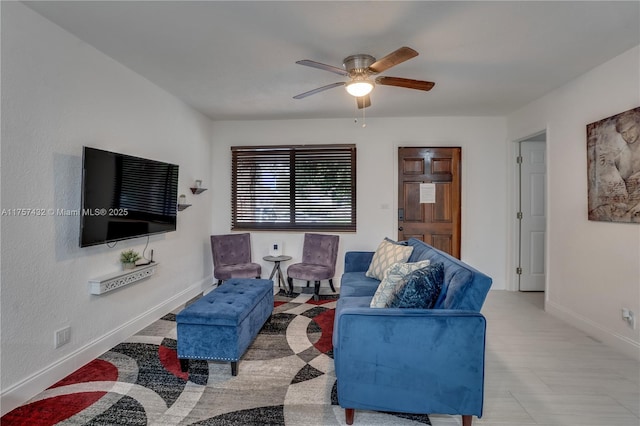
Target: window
{"points": [[310, 187]]}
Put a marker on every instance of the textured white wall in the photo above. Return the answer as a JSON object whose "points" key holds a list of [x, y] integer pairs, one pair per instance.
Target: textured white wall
{"points": [[483, 142], [593, 267], [59, 94]]}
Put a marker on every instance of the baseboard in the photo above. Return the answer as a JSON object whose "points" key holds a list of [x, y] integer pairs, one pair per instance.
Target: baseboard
{"points": [[21, 392], [620, 343]]}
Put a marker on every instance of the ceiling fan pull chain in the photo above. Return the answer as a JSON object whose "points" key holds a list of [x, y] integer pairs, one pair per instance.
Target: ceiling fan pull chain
{"points": [[355, 114], [364, 120]]}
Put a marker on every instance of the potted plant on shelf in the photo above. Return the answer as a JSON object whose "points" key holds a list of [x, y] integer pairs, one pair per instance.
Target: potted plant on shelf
{"points": [[128, 258]]}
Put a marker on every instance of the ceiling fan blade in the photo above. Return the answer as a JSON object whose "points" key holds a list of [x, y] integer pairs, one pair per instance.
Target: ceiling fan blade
{"points": [[322, 66], [363, 101], [319, 89], [392, 59], [405, 82]]}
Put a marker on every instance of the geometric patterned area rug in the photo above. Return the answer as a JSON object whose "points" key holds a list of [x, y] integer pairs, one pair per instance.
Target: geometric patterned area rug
{"points": [[286, 377]]}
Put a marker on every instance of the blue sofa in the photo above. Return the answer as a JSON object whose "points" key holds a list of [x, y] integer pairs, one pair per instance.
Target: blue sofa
{"points": [[421, 361]]}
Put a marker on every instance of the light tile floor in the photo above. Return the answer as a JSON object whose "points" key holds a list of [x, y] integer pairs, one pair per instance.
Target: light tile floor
{"points": [[542, 371]]}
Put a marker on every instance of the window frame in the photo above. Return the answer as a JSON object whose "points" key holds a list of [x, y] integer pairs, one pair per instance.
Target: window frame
{"points": [[344, 162]]}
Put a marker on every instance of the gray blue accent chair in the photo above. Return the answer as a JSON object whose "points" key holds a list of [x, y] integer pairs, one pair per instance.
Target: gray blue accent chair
{"points": [[232, 257], [421, 361], [319, 255]]}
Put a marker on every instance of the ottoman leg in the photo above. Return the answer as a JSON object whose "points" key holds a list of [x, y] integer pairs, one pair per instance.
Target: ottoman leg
{"points": [[234, 368], [184, 365]]}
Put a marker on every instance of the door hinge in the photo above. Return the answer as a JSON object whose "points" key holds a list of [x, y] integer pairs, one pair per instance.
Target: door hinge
{"points": [[519, 270], [519, 215], [519, 159]]}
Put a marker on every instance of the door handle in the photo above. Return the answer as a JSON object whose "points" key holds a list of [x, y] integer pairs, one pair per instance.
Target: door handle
{"points": [[400, 228]]}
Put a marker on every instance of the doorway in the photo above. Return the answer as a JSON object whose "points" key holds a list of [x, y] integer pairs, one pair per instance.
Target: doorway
{"points": [[531, 215], [429, 196]]}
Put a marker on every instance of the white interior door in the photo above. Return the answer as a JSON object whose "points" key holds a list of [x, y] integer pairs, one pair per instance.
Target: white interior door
{"points": [[532, 218]]}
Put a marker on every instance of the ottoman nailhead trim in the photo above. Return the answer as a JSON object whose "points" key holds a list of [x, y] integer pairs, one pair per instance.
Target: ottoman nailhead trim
{"points": [[208, 357]]}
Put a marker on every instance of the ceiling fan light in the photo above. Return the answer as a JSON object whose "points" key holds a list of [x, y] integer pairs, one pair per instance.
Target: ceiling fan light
{"points": [[359, 88]]}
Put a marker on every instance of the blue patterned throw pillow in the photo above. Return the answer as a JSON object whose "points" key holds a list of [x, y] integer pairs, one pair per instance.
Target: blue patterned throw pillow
{"points": [[420, 289], [392, 277]]}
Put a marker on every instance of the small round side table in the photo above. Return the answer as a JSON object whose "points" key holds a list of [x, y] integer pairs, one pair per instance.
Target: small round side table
{"points": [[276, 268]]}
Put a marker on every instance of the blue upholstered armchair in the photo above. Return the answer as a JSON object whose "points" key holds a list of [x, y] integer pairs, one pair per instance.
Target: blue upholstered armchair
{"points": [[232, 257]]}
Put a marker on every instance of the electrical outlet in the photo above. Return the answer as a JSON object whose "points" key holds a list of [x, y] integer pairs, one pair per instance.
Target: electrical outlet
{"points": [[630, 317], [62, 336]]}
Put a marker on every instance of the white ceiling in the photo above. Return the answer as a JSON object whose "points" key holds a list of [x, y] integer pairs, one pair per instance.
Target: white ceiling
{"points": [[236, 60]]}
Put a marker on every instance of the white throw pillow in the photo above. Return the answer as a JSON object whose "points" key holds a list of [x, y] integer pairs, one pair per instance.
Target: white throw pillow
{"points": [[393, 276], [386, 255]]}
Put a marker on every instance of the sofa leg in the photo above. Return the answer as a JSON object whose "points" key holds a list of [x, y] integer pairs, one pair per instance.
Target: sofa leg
{"points": [[184, 365], [349, 414], [466, 420], [234, 368]]}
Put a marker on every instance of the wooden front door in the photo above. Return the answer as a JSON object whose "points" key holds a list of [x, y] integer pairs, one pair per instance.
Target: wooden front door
{"points": [[436, 221]]}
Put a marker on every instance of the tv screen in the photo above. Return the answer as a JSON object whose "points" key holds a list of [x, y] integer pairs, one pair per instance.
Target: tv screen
{"points": [[125, 197]]}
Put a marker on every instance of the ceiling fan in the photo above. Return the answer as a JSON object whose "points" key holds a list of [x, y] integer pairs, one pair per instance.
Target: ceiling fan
{"points": [[359, 68]]}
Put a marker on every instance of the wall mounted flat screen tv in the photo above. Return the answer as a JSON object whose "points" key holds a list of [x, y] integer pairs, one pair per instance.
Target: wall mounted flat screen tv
{"points": [[125, 197]]}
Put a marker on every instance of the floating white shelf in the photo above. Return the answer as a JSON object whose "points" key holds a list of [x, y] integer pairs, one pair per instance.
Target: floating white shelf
{"points": [[119, 279]]}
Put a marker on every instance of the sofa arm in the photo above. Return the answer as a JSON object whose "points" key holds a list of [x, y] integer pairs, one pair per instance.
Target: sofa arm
{"points": [[357, 261], [411, 360]]}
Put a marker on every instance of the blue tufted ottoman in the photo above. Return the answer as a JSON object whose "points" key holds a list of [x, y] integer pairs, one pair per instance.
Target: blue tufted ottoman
{"points": [[222, 324]]}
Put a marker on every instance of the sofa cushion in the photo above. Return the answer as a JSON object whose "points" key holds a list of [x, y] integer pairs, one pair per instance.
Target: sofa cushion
{"points": [[464, 287], [420, 251], [457, 281], [357, 284], [387, 253], [392, 277], [419, 289]]}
